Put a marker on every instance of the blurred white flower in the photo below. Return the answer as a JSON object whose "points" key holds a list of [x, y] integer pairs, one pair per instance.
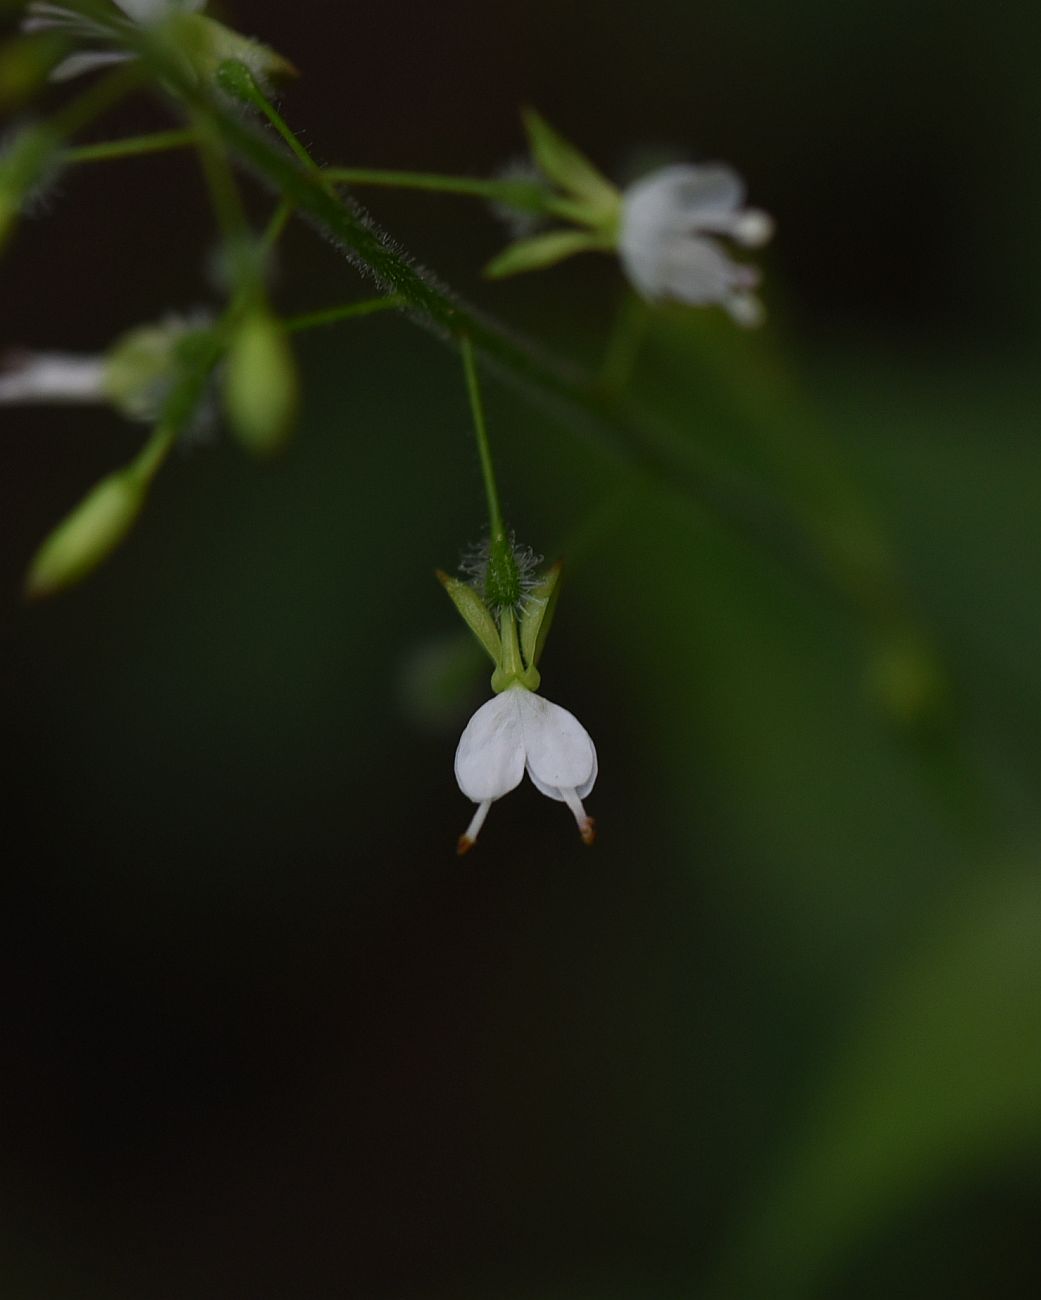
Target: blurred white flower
{"points": [[668, 240], [518, 730], [135, 375], [28, 377], [42, 16]]}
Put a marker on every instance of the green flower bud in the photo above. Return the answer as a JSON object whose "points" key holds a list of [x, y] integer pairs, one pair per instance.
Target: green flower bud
{"points": [[86, 536], [260, 383], [93, 530]]}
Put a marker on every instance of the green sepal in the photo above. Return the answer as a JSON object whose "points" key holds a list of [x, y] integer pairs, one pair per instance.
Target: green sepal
{"points": [[562, 163], [540, 251], [539, 607], [475, 613], [207, 44]]}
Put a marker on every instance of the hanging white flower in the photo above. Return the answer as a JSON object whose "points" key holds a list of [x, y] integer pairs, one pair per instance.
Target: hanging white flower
{"points": [[669, 238], [515, 731], [135, 374]]}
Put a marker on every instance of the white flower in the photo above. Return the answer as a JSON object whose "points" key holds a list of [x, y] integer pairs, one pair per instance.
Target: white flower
{"points": [[518, 729], [43, 16], [53, 377], [135, 375], [667, 241]]}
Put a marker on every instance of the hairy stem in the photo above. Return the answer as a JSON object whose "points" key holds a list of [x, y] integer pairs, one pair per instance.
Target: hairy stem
{"points": [[497, 530]]}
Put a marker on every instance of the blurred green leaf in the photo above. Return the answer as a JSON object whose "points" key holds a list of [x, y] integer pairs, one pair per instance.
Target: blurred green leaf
{"points": [[943, 1078]]}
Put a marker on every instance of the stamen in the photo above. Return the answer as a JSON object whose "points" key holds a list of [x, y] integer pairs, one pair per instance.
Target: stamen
{"points": [[469, 837], [586, 825]]}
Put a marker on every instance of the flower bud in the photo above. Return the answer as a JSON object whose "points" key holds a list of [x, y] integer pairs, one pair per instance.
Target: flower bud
{"points": [[88, 534], [260, 383], [93, 530]]}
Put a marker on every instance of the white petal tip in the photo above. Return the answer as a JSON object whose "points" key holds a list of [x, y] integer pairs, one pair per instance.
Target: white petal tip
{"points": [[753, 228], [745, 310]]}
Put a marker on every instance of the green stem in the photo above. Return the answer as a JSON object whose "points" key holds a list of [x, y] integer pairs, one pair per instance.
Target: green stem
{"points": [[103, 95], [491, 491], [224, 193], [627, 336], [132, 147], [632, 436], [273, 231], [528, 195], [237, 78], [148, 461], [348, 311]]}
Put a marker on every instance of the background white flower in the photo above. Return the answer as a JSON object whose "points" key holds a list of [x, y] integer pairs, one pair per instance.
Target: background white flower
{"points": [[42, 16], [518, 729], [668, 241], [52, 377]]}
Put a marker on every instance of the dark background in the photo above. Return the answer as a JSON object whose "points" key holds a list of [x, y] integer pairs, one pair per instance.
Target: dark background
{"points": [[779, 1033]]}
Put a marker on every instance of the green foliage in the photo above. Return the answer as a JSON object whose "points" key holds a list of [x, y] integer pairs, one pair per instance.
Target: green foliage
{"points": [[940, 1080]]}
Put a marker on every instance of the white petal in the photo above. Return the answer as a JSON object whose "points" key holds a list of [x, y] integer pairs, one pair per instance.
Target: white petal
{"points": [[151, 11], [689, 269], [53, 377], [745, 310], [681, 195], [77, 64], [489, 761], [560, 754]]}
